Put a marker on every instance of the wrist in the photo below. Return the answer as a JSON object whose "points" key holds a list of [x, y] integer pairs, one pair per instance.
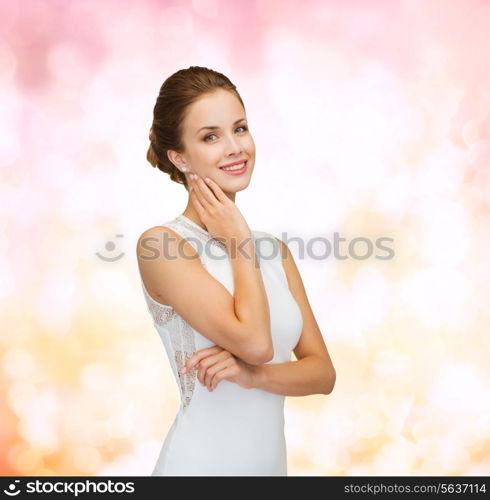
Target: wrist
{"points": [[258, 376]]}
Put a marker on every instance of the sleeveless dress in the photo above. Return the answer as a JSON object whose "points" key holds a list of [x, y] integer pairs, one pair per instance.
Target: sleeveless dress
{"points": [[231, 431]]}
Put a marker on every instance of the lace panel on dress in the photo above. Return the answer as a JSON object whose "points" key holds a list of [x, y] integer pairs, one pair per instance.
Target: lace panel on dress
{"points": [[183, 343], [182, 340], [160, 313]]}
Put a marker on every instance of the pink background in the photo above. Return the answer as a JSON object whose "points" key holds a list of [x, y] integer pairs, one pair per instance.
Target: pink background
{"points": [[370, 118]]}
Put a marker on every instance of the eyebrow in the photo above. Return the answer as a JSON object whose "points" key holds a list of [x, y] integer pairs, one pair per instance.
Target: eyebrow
{"points": [[214, 127]]}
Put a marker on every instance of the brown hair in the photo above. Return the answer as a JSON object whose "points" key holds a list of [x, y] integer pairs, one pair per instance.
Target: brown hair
{"points": [[177, 92]]}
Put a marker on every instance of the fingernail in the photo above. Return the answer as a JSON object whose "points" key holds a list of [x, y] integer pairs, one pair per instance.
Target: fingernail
{"points": [[184, 370], [207, 179]]}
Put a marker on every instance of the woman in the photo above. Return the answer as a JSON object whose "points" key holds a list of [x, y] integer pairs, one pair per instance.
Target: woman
{"points": [[227, 302]]}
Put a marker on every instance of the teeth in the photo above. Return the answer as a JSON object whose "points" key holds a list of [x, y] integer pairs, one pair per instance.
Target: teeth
{"points": [[235, 167]]}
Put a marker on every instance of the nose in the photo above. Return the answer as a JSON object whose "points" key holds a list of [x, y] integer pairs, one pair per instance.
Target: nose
{"points": [[233, 146]]}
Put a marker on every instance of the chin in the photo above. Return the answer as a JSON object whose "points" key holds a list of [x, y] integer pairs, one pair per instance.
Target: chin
{"points": [[239, 186], [233, 190]]}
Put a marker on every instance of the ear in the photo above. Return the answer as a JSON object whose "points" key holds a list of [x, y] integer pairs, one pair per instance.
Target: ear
{"points": [[177, 159]]}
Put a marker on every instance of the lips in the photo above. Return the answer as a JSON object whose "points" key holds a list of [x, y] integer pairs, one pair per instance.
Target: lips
{"points": [[234, 163]]}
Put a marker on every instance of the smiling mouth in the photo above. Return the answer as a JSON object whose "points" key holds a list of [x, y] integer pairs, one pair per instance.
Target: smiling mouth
{"points": [[235, 168]]}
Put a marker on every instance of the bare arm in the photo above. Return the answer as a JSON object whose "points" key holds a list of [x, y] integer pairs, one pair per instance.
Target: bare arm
{"points": [[250, 298], [303, 377]]}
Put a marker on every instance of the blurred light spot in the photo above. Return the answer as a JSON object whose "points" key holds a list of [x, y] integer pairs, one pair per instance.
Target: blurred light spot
{"points": [[436, 295], [38, 425], [121, 423], [446, 233], [7, 282], [76, 205], [472, 131], [371, 297], [206, 8], [67, 64], [391, 363], [18, 363], [20, 395], [459, 389], [97, 377], [479, 154], [9, 132], [86, 459], [176, 23], [58, 288], [8, 63], [109, 286], [441, 173], [28, 462], [368, 425]]}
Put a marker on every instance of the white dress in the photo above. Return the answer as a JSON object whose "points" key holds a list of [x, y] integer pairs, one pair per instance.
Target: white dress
{"points": [[231, 431]]}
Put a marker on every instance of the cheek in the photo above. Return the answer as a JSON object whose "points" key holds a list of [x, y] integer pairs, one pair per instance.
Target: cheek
{"points": [[209, 156], [250, 145]]}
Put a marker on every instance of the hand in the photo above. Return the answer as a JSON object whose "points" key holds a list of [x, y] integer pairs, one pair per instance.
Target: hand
{"points": [[215, 364], [219, 214]]}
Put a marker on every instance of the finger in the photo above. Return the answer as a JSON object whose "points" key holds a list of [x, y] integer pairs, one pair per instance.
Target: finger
{"points": [[199, 355], [195, 201], [207, 363], [200, 374], [218, 192], [212, 356], [213, 370], [223, 374], [210, 363], [202, 368], [207, 194], [208, 350], [197, 198], [193, 361]]}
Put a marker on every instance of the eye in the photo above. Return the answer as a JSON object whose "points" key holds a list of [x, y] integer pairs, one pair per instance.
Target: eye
{"points": [[245, 128]]}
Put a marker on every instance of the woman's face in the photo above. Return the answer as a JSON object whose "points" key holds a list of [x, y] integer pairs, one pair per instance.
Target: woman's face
{"points": [[215, 134]]}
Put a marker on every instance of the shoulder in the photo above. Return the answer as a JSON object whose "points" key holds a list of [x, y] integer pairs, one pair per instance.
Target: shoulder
{"points": [[162, 237], [152, 234], [154, 231]]}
